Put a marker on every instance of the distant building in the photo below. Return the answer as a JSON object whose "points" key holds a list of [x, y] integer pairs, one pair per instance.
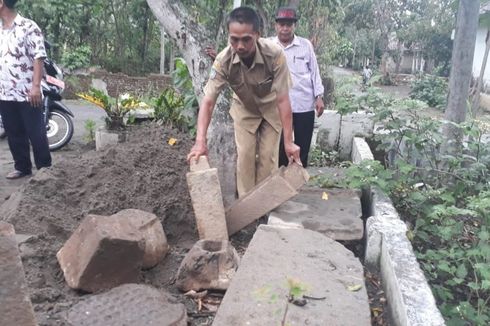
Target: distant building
{"points": [[480, 46]]}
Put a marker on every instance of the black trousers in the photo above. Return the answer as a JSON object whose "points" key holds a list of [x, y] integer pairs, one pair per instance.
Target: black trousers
{"points": [[303, 124], [24, 124]]}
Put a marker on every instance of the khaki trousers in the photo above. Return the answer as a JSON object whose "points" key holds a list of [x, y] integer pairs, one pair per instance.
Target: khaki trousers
{"points": [[257, 155]]}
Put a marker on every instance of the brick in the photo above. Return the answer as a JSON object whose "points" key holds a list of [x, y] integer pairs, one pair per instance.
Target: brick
{"points": [[102, 253], [156, 246], [207, 201], [128, 304], [15, 304], [264, 197], [200, 164], [209, 265]]}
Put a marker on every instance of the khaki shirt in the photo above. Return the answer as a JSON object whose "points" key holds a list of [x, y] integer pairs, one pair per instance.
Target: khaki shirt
{"points": [[255, 88]]}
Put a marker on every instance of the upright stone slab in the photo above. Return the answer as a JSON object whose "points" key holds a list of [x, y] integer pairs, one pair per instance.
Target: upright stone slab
{"points": [[103, 252], [335, 213], [322, 267], [128, 304], [264, 197], [15, 304], [207, 201]]}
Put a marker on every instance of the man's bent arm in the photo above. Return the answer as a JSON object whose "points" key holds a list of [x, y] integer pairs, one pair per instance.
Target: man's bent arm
{"points": [[284, 106], [203, 120]]}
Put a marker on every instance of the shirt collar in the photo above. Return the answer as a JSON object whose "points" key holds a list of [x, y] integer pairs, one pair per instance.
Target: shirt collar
{"points": [[257, 59], [295, 42]]}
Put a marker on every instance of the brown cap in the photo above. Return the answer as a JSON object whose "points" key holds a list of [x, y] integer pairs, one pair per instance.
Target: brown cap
{"points": [[286, 13]]}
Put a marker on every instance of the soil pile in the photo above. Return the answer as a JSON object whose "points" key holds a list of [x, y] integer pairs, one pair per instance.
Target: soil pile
{"points": [[144, 173]]}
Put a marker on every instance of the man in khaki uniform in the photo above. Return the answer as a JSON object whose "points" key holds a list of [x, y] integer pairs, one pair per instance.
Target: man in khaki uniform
{"points": [[256, 70]]}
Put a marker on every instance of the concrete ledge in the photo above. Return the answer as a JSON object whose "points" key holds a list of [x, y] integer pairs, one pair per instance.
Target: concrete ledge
{"points": [[389, 251], [360, 150]]}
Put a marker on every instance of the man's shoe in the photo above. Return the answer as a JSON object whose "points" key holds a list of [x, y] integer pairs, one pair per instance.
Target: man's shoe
{"points": [[16, 174]]}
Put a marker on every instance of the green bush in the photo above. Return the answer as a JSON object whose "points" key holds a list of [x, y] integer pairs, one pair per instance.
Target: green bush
{"points": [[431, 89], [169, 108], [78, 58]]}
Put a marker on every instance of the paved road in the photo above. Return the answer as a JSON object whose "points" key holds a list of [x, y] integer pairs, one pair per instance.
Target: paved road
{"points": [[82, 111]]}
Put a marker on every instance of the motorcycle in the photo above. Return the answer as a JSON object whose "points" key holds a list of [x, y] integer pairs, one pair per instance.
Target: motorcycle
{"points": [[58, 117]]}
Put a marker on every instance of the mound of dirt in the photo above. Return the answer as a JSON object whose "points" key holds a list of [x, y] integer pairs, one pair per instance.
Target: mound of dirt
{"points": [[144, 173]]}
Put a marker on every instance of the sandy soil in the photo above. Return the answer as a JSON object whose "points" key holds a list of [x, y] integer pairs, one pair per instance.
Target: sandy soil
{"points": [[145, 173]]}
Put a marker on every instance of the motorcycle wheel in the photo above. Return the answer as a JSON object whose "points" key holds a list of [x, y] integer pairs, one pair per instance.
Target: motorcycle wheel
{"points": [[59, 129]]}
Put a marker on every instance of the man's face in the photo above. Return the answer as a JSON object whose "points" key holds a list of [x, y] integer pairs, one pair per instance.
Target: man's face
{"points": [[285, 30], [242, 39]]}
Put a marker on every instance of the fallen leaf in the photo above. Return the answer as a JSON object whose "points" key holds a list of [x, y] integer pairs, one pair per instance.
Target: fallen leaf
{"points": [[210, 307], [325, 196], [196, 295], [172, 141], [354, 288]]}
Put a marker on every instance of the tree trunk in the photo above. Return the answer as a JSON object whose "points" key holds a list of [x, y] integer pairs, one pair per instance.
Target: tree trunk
{"points": [[190, 38], [479, 84], [162, 50], [459, 80]]}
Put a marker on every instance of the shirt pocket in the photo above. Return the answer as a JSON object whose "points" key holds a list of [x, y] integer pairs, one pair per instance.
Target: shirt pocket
{"points": [[264, 87], [301, 64]]}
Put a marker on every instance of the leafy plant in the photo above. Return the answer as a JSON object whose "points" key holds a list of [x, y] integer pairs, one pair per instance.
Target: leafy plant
{"points": [[430, 89], [319, 158], [183, 82], [169, 108], [90, 129], [116, 108], [77, 58]]}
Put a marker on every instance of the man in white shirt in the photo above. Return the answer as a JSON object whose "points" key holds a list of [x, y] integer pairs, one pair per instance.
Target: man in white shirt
{"points": [[306, 95], [22, 55]]}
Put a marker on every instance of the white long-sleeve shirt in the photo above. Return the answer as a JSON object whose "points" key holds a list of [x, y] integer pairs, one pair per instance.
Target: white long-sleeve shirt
{"points": [[305, 74]]}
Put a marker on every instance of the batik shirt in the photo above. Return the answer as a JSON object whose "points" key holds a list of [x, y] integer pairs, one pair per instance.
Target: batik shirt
{"points": [[20, 45]]}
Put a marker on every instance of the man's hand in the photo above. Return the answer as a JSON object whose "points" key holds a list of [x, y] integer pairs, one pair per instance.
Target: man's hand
{"points": [[319, 106], [292, 152], [211, 52], [35, 97], [199, 149]]}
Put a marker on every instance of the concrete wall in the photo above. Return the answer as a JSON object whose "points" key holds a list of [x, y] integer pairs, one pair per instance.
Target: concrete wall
{"points": [[478, 57], [389, 251]]}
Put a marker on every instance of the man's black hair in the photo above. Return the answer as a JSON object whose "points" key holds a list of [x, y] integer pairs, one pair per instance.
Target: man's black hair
{"points": [[10, 3], [244, 15]]}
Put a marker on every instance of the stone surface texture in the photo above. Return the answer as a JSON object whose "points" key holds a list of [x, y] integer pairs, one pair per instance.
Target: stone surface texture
{"points": [[200, 164], [319, 265], [410, 298], [103, 252], [15, 304], [327, 135], [150, 228], [209, 265], [207, 201], [128, 305], [104, 139], [360, 150], [338, 216], [264, 197], [352, 125], [388, 250]]}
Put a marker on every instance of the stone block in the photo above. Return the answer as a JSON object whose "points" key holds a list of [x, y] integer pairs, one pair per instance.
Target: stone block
{"points": [[15, 304], [410, 298], [208, 265], [327, 135], [128, 304], [322, 267], [200, 164], [360, 151], [264, 197], [336, 215], [352, 125], [103, 252], [148, 224], [207, 201]]}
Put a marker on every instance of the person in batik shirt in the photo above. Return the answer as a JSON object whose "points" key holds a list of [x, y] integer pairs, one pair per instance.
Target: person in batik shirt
{"points": [[22, 53]]}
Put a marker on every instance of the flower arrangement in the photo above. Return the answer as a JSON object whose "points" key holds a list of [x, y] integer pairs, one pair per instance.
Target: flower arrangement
{"points": [[116, 108]]}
